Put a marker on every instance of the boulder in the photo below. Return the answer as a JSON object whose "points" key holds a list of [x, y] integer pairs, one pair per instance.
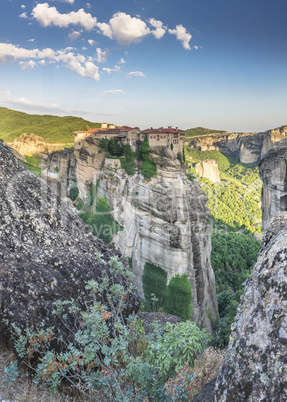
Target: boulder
{"points": [[255, 366], [46, 252]]}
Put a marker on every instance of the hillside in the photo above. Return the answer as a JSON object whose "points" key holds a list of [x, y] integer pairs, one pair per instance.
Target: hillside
{"points": [[200, 131], [54, 129]]}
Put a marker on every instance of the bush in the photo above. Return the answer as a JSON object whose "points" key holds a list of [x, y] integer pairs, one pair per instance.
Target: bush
{"points": [[148, 170], [154, 282], [109, 358], [74, 192], [179, 297], [104, 143], [114, 148]]}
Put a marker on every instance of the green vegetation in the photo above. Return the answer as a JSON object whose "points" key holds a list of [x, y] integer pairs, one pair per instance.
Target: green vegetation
{"points": [[108, 358], [74, 191], [199, 131], [176, 298], [96, 213], [235, 202], [129, 163], [36, 171], [54, 129], [154, 282], [179, 297]]}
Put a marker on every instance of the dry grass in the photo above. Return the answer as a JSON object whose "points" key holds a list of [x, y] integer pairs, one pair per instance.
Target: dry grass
{"points": [[206, 367], [23, 389]]}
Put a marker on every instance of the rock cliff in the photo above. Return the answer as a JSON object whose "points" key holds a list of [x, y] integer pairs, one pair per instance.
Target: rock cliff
{"points": [[273, 172], [248, 147], [166, 222], [31, 144], [255, 366], [209, 170], [46, 252]]}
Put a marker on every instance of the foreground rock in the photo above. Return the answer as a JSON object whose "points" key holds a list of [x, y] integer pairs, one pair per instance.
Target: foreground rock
{"points": [[46, 252], [255, 367]]}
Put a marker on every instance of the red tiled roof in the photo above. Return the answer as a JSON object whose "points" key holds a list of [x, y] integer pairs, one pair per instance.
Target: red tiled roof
{"points": [[125, 128], [162, 130]]}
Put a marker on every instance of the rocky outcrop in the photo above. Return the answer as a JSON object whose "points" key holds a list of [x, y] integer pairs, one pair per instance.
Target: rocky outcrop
{"points": [[209, 170], [31, 144], [89, 160], [273, 172], [60, 167], [247, 147], [46, 252], [166, 222], [255, 366]]}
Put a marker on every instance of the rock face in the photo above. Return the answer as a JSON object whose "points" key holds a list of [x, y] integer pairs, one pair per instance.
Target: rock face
{"points": [[273, 172], [209, 170], [248, 147], [60, 167], [31, 144], [255, 366], [166, 222], [46, 252]]}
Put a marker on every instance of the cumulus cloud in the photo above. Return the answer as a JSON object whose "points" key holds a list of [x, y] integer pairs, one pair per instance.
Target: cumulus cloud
{"points": [[124, 29], [114, 91], [27, 64], [74, 35], [92, 42], [182, 35], [75, 62], [135, 74], [102, 55], [23, 15], [160, 29], [122, 61], [110, 70], [66, 1], [23, 6], [48, 16]]}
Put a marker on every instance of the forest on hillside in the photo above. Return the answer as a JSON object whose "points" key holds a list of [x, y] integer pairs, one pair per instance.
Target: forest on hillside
{"points": [[53, 129]]}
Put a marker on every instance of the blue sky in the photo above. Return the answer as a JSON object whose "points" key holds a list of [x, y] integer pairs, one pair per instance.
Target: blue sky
{"points": [[214, 63]]}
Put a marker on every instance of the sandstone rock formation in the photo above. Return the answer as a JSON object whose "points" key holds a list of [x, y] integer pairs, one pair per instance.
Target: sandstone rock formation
{"points": [[166, 222], [248, 147], [60, 167], [46, 252], [273, 172], [31, 144], [209, 170], [255, 366]]}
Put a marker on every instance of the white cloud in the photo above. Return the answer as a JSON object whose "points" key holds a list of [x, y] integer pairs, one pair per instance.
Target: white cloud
{"points": [[160, 29], [31, 40], [135, 74], [110, 70], [114, 91], [47, 16], [124, 29], [65, 1], [74, 35], [182, 35], [23, 6], [27, 64], [42, 62], [23, 15], [92, 42], [88, 5], [84, 48], [75, 62], [102, 55], [122, 61]]}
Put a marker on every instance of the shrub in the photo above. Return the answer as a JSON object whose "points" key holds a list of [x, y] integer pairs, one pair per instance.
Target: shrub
{"points": [[74, 192], [154, 282], [179, 297], [179, 158], [108, 358], [104, 143], [148, 169], [114, 147], [171, 146]]}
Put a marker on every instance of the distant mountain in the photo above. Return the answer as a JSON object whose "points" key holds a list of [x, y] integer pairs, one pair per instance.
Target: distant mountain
{"points": [[53, 128], [199, 131]]}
